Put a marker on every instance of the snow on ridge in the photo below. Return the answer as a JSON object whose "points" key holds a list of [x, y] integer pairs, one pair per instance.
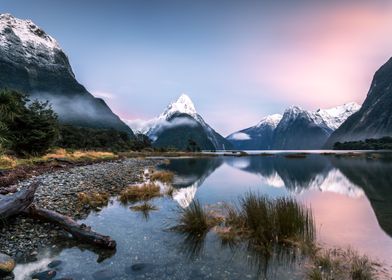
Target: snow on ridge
{"points": [[329, 119], [183, 105], [271, 120], [27, 31], [334, 117]]}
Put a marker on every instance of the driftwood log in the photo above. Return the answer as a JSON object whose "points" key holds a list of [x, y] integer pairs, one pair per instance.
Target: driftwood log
{"points": [[14, 204], [78, 231], [22, 203]]}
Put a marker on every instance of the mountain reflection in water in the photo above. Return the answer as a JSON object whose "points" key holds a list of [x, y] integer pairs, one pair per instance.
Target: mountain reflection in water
{"points": [[353, 177]]}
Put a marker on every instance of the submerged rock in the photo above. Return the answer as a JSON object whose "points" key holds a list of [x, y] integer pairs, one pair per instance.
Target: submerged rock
{"points": [[7, 264], [44, 275], [55, 263], [139, 268]]}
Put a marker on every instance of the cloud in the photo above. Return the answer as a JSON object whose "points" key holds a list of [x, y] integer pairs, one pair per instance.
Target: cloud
{"points": [[155, 126], [326, 58], [139, 125], [240, 136], [103, 94]]}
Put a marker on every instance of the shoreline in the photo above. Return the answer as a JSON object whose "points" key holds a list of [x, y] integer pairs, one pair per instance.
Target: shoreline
{"points": [[21, 237]]}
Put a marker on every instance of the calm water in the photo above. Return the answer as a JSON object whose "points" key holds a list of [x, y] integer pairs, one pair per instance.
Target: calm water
{"points": [[351, 199]]}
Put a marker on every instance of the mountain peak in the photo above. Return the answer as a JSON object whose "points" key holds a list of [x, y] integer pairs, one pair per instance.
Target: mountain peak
{"points": [[25, 31], [271, 120], [183, 105]]}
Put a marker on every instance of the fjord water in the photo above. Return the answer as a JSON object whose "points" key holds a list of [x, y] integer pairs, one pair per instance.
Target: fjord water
{"points": [[351, 198]]}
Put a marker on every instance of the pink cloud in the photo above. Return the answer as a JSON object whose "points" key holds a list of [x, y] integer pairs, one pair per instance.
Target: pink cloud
{"points": [[325, 59]]}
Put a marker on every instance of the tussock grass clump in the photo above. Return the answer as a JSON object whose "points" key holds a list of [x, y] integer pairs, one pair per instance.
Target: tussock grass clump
{"points": [[136, 193], [7, 162], [194, 220], [267, 222], [162, 176], [144, 207], [341, 264], [79, 155], [94, 200]]}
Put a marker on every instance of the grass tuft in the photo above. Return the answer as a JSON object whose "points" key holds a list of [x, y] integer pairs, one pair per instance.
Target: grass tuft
{"points": [[341, 264], [94, 200], [162, 176], [136, 193], [78, 155], [267, 222], [144, 207], [194, 220], [7, 162]]}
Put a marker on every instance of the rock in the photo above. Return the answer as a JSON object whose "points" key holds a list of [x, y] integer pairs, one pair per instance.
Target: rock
{"points": [[44, 275], [55, 263], [104, 274], [7, 264], [139, 268]]}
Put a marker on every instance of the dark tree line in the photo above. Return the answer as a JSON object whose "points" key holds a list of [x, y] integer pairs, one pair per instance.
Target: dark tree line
{"points": [[31, 128], [384, 143]]}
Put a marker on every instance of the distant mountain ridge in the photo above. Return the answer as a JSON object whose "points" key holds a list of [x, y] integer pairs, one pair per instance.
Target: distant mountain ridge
{"points": [[258, 137], [179, 124], [374, 119], [296, 129], [33, 62]]}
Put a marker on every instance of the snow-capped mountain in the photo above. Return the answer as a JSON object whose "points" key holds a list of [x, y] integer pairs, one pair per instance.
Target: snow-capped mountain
{"points": [[181, 127], [258, 137], [301, 129], [374, 119], [296, 129], [334, 117], [33, 62]]}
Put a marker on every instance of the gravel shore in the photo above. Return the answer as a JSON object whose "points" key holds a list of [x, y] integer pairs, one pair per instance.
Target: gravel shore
{"points": [[21, 237]]}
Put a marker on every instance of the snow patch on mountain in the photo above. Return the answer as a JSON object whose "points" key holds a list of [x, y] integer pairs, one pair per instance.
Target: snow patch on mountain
{"points": [[334, 117], [26, 31], [271, 120], [329, 119]]}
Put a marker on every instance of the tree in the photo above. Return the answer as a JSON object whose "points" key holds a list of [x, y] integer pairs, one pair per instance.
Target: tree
{"points": [[11, 105], [192, 146], [26, 128]]}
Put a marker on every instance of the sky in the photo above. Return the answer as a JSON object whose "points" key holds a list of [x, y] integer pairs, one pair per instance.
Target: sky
{"points": [[237, 60]]}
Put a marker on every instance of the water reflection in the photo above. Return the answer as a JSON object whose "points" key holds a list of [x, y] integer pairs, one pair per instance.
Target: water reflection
{"points": [[374, 176], [190, 173], [352, 177]]}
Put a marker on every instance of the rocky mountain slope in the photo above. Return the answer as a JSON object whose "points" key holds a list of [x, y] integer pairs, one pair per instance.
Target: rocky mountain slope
{"points": [[374, 119], [33, 62], [180, 124]]}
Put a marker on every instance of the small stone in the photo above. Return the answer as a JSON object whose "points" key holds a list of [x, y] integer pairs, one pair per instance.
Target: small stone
{"points": [[7, 264]]}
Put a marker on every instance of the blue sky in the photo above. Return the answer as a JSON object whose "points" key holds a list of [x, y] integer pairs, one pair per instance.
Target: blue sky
{"points": [[237, 60]]}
